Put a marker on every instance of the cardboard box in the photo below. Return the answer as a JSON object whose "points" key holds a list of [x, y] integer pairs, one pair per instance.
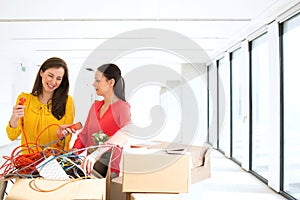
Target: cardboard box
{"points": [[3, 185], [156, 196], [115, 189], [155, 171], [199, 155], [37, 189]]}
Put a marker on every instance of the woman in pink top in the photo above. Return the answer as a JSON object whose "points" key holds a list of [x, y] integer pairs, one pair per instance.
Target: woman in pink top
{"points": [[107, 116]]}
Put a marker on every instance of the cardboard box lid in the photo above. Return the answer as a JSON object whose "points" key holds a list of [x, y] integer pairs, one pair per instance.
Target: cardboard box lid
{"points": [[149, 161], [24, 189], [197, 152]]}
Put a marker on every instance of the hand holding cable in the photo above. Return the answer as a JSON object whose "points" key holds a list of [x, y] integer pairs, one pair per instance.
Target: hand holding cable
{"points": [[18, 112], [65, 130]]}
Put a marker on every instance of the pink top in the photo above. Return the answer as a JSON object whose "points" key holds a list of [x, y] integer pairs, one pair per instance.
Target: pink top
{"points": [[115, 118]]}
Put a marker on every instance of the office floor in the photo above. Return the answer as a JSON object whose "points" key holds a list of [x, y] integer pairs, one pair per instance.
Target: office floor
{"points": [[228, 181]]}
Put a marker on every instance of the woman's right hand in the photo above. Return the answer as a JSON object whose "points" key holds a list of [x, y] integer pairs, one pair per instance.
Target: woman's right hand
{"points": [[18, 111]]}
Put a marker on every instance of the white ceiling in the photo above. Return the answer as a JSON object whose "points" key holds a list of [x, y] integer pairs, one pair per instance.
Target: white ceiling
{"points": [[34, 30]]}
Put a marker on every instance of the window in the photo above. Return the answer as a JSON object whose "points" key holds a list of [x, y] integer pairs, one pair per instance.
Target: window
{"points": [[224, 106], [238, 117], [212, 104], [291, 108], [260, 105]]}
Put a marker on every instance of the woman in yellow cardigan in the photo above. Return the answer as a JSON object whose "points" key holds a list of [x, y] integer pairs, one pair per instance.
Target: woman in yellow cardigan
{"points": [[46, 107]]}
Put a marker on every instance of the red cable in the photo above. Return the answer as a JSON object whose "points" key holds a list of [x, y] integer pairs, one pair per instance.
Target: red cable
{"points": [[27, 162]]}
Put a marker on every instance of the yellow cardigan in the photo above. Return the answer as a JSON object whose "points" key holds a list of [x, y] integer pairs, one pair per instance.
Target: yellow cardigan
{"points": [[38, 117]]}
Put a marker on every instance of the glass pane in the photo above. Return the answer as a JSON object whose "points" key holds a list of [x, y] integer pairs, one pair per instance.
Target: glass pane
{"points": [[237, 107], [224, 105], [260, 105], [291, 71], [212, 112]]}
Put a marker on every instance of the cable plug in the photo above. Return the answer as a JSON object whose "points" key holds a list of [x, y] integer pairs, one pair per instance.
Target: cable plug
{"points": [[76, 127], [22, 100]]}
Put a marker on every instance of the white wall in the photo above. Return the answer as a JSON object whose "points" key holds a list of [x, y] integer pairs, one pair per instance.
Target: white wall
{"points": [[14, 80], [6, 99], [194, 111]]}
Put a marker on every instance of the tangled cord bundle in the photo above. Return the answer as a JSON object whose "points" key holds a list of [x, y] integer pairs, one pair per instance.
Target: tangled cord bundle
{"points": [[25, 158], [25, 164]]}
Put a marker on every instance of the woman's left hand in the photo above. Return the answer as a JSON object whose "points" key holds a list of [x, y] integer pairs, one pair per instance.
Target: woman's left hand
{"points": [[88, 164], [89, 161]]}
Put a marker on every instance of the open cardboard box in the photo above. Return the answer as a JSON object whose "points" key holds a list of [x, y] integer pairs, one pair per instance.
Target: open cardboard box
{"points": [[200, 156], [37, 189], [92, 188]]}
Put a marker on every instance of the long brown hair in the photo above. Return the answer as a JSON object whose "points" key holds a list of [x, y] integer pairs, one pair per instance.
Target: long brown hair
{"points": [[60, 95]]}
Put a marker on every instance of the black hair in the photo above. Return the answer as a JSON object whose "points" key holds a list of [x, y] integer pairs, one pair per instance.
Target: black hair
{"points": [[112, 71]]}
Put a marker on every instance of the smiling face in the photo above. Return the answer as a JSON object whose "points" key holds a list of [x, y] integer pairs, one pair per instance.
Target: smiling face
{"points": [[52, 78], [103, 86]]}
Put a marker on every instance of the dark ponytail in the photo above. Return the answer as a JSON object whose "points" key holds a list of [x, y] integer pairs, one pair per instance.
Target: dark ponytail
{"points": [[112, 71]]}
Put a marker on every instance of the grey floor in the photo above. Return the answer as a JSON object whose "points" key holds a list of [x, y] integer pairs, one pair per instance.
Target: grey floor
{"points": [[228, 181]]}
